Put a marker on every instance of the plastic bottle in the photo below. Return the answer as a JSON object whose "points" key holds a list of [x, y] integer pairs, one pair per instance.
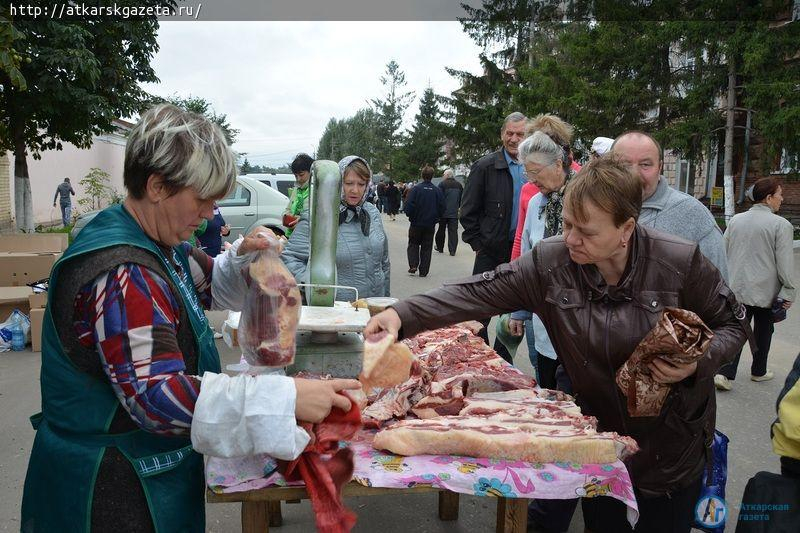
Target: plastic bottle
{"points": [[17, 338]]}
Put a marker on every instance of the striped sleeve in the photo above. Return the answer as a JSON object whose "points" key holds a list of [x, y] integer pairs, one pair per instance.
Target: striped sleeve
{"points": [[130, 316]]}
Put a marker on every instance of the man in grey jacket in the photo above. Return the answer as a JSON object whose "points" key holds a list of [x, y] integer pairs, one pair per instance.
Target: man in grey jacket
{"points": [[665, 208], [452, 191], [64, 189]]}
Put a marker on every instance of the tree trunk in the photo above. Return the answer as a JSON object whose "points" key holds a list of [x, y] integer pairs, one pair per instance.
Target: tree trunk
{"points": [[728, 164], [23, 203]]}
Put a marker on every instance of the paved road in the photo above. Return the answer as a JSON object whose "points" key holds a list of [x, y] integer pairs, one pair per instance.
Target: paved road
{"points": [[744, 414]]}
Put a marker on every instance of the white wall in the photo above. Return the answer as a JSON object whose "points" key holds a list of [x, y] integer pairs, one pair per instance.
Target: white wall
{"points": [[107, 153]]}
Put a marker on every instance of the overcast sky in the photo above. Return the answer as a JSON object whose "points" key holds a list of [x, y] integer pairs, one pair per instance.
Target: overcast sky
{"points": [[280, 82]]}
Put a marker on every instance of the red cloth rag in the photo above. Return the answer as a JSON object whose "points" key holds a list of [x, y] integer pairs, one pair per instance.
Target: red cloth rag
{"points": [[325, 476]]}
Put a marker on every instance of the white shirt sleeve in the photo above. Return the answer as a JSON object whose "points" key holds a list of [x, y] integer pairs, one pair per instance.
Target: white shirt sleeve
{"points": [[228, 286], [246, 415]]}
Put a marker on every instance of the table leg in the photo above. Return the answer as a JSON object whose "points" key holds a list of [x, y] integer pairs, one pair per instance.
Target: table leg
{"points": [[274, 513], [255, 517], [512, 515], [448, 505]]}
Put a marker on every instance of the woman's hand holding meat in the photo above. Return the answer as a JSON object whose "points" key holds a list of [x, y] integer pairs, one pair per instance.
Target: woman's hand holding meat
{"points": [[316, 398], [260, 238]]}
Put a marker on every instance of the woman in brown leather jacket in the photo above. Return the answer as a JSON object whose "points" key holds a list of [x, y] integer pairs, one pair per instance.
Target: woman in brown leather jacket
{"points": [[599, 289]]}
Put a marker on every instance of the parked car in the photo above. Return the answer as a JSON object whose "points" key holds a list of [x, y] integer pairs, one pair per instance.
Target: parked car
{"points": [[251, 203], [283, 183]]}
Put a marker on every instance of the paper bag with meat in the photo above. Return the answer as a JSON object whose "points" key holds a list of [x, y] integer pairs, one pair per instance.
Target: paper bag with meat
{"points": [[271, 310], [680, 336]]}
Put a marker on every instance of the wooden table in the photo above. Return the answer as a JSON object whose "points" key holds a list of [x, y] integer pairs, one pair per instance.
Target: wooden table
{"points": [[262, 508]]}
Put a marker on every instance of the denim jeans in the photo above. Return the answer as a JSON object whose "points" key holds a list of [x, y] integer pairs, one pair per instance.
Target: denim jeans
{"points": [[66, 214]]}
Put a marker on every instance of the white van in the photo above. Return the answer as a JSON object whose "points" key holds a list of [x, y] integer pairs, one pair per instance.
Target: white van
{"points": [[280, 182]]}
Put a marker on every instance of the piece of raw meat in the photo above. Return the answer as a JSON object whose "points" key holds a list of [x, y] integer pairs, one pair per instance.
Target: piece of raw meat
{"points": [[385, 362], [268, 324], [325, 469], [505, 439]]}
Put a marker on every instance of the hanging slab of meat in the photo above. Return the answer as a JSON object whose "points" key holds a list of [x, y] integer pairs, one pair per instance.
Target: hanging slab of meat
{"points": [[271, 312], [680, 336], [385, 363], [511, 438], [325, 468]]}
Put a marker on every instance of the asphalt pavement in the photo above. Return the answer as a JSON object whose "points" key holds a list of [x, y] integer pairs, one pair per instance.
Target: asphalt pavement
{"points": [[744, 414]]}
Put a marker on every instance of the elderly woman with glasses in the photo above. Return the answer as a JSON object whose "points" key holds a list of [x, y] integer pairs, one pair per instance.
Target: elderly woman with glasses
{"points": [[128, 358], [599, 289]]}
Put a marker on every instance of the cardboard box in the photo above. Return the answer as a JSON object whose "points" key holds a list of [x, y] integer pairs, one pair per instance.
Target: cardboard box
{"points": [[19, 268], [37, 300], [37, 319], [34, 242], [14, 298]]}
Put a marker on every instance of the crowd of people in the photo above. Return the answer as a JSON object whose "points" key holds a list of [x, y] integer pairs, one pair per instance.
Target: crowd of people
{"points": [[583, 259]]}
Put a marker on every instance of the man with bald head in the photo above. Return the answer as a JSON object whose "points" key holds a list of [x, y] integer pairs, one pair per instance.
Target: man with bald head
{"points": [[665, 208]]}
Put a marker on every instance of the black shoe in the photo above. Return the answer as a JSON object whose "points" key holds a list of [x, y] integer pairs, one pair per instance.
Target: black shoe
{"points": [[422, 275], [440, 251], [412, 270], [452, 253]]}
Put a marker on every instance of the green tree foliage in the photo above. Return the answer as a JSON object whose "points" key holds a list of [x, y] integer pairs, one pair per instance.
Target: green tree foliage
{"points": [[476, 110], [246, 167], [356, 135], [10, 57], [657, 66], [389, 112], [201, 106], [425, 139], [83, 74], [97, 187]]}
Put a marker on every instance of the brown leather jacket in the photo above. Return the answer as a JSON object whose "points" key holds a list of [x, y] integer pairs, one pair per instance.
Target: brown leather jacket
{"points": [[595, 328]]}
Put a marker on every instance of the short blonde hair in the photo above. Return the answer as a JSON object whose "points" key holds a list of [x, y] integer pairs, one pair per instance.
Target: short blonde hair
{"points": [[608, 184], [560, 131], [187, 149]]}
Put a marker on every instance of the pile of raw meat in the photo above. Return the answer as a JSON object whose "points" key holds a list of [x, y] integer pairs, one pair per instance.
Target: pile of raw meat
{"points": [[463, 399]]}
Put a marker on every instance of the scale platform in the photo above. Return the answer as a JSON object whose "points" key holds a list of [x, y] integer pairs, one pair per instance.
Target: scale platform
{"points": [[341, 318], [329, 340]]}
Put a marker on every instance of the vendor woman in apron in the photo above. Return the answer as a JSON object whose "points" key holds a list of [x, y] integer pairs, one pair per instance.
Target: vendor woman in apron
{"points": [[127, 352]]}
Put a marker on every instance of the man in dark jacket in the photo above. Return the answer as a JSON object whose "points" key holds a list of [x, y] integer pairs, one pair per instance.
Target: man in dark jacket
{"points": [[491, 203], [424, 207], [452, 191], [64, 189]]}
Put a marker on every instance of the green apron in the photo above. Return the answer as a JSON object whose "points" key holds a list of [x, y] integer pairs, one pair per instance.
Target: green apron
{"points": [[77, 410]]}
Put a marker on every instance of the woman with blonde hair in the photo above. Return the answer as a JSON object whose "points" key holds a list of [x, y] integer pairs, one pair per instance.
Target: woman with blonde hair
{"points": [[128, 357]]}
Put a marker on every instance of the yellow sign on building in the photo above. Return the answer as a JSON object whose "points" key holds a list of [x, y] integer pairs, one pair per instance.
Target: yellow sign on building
{"points": [[717, 196]]}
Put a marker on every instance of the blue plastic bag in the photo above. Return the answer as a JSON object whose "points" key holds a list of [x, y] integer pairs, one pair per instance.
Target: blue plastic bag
{"points": [[711, 510]]}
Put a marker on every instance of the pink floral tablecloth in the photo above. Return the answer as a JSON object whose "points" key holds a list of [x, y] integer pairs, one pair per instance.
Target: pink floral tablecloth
{"points": [[466, 475]]}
